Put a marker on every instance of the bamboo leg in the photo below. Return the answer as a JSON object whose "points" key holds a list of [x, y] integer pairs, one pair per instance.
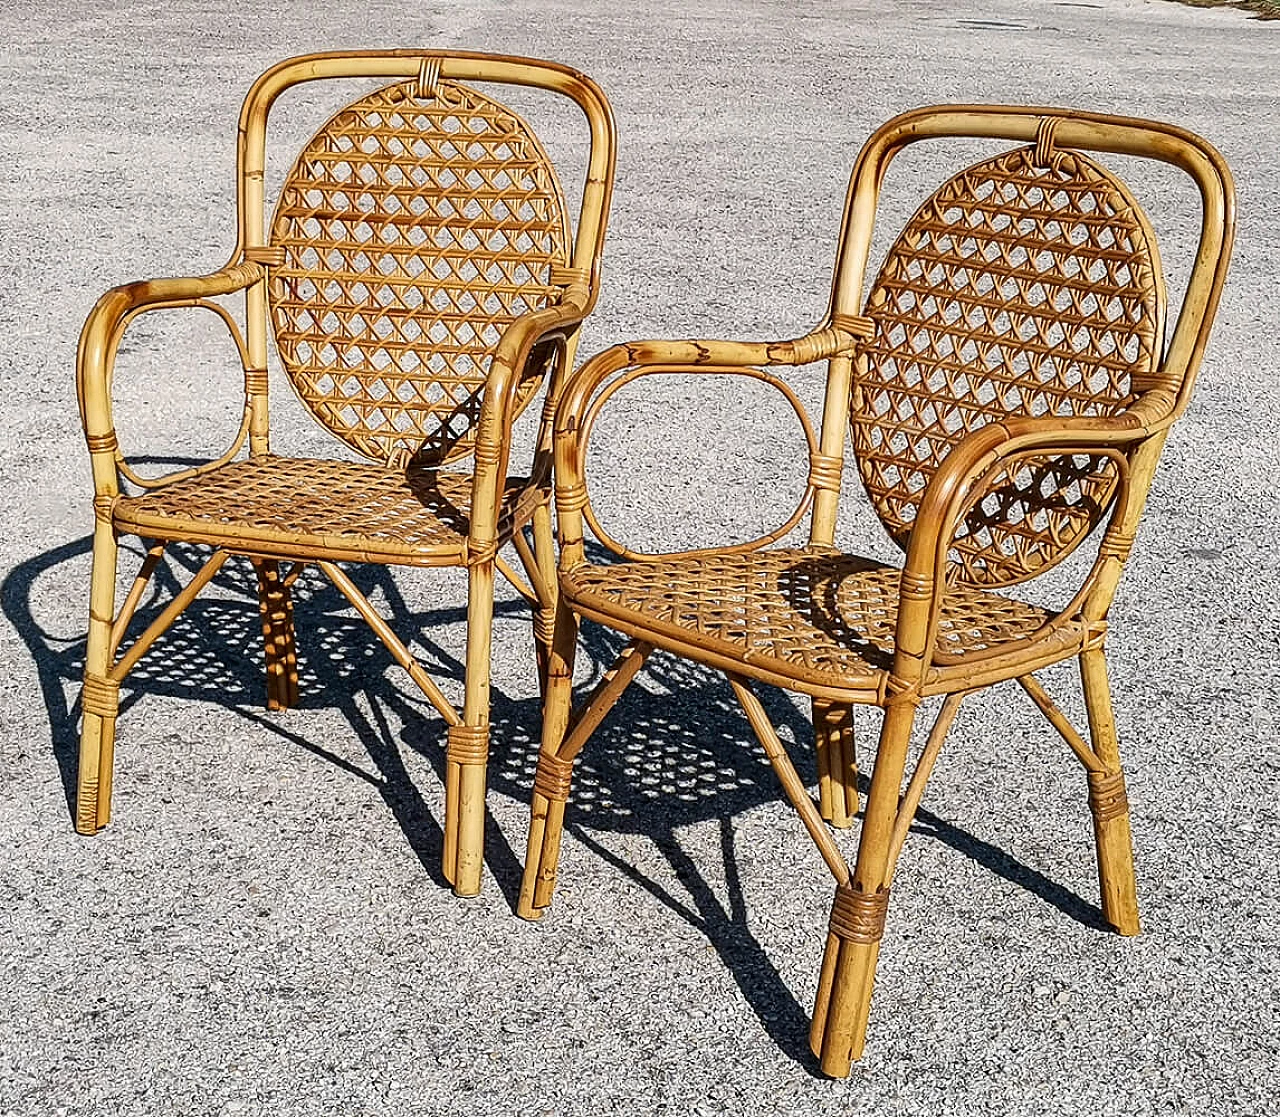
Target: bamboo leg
{"points": [[544, 619], [467, 755], [101, 695], [275, 604], [550, 788], [838, 1031], [837, 764], [563, 737], [1108, 801], [134, 596]]}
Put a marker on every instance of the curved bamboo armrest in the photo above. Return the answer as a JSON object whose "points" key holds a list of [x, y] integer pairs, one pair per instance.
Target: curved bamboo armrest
{"points": [[970, 472], [100, 340], [601, 377], [493, 431]]}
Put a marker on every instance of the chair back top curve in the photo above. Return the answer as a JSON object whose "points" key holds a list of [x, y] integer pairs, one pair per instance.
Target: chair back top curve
{"points": [[414, 227], [1027, 285]]}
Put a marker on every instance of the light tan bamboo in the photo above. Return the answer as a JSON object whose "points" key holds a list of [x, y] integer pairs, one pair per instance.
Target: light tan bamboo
{"points": [[539, 879], [792, 785], [910, 800], [1112, 834], [496, 511], [390, 640], [168, 615], [134, 596], [1118, 430], [613, 683], [1059, 721]]}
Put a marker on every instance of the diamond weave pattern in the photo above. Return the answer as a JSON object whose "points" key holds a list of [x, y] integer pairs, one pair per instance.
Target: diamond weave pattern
{"points": [[1015, 290], [804, 614], [414, 232], [332, 509]]}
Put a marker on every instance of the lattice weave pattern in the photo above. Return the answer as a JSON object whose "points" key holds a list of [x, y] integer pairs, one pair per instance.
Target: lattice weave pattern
{"points": [[340, 509], [414, 231], [812, 614], [1018, 288]]}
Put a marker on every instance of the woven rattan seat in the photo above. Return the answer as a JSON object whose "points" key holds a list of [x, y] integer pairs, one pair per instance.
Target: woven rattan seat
{"points": [[422, 278], [1006, 384], [335, 509], [813, 617]]}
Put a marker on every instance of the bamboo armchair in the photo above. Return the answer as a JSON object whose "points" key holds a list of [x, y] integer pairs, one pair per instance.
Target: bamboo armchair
{"points": [[1008, 389], [421, 280]]}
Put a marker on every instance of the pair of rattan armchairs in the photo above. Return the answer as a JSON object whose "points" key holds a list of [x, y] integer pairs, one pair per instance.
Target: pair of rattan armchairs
{"points": [[1006, 382]]}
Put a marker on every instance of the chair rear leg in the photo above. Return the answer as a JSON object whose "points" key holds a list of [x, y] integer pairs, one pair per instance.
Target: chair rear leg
{"points": [[838, 1031], [1109, 802], [467, 754], [101, 695], [837, 762], [275, 605]]}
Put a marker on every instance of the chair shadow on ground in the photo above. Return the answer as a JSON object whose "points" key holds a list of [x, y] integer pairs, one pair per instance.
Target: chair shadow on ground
{"points": [[675, 752]]}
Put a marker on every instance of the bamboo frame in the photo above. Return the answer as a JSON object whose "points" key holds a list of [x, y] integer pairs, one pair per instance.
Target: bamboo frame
{"points": [[535, 276], [993, 490]]}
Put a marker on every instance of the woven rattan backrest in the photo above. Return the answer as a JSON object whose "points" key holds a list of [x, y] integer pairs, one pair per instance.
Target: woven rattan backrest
{"points": [[1027, 285], [415, 226]]}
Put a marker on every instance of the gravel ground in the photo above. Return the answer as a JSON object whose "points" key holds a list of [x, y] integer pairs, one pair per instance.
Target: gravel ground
{"points": [[263, 928]]}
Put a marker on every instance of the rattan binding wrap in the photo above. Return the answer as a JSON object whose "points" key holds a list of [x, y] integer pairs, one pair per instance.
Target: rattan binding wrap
{"points": [[1018, 288], [414, 231]]}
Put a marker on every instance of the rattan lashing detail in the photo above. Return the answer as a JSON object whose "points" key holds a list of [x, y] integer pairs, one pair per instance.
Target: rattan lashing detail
{"points": [[1107, 795], [1016, 289], [414, 231], [101, 695], [553, 776], [468, 744], [858, 916]]}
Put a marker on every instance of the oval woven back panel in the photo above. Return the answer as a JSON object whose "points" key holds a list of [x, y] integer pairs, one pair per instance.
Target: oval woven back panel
{"points": [[414, 231], [1015, 289]]}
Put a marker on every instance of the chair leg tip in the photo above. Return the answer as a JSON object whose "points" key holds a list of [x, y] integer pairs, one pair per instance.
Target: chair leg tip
{"points": [[525, 910], [1129, 928]]}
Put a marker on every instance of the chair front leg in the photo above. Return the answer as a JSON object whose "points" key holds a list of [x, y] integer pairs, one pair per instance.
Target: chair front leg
{"points": [[838, 1032], [1108, 801], [467, 754], [551, 780], [100, 700]]}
